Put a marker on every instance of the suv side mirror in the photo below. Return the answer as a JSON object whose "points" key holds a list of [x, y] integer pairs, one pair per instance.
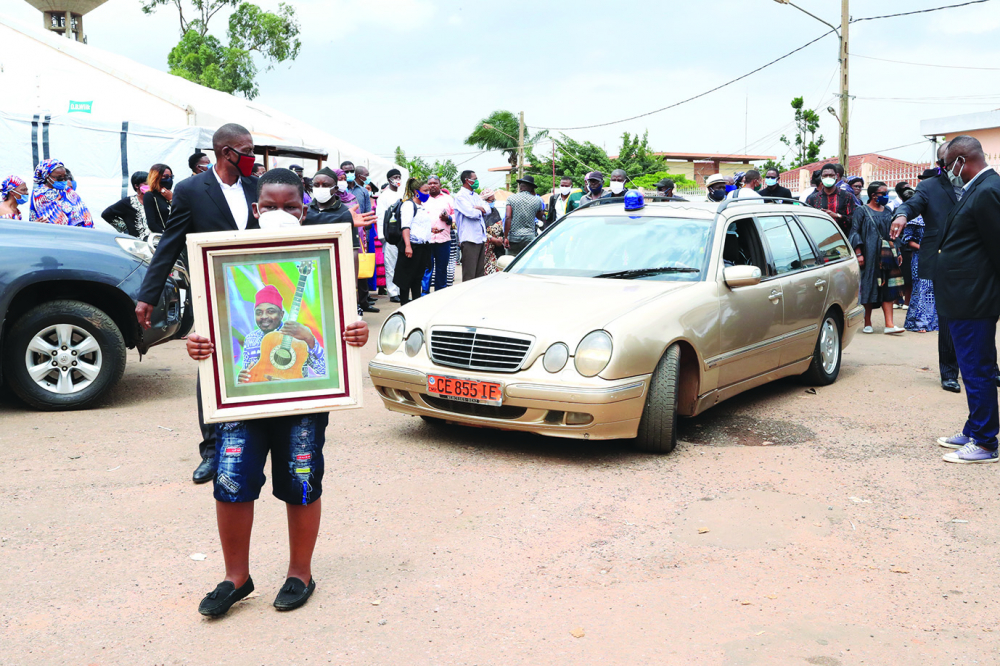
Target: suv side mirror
{"points": [[741, 276], [505, 261]]}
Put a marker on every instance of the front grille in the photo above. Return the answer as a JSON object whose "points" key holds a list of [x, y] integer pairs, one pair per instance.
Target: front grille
{"points": [[477, 349], [507, 412]]}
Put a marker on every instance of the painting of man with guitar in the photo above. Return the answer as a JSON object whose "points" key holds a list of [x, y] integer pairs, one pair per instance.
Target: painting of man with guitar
{"points": [[281, 348]]}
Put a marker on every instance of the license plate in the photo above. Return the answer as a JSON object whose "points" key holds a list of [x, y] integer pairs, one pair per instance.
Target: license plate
{"points": [[465, 390]]}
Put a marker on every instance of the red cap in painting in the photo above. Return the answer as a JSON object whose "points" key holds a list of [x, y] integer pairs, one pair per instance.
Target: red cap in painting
{"points": [[268, 294]]}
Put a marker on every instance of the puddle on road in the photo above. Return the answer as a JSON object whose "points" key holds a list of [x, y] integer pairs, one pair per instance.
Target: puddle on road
{"points": [[715, 429]]}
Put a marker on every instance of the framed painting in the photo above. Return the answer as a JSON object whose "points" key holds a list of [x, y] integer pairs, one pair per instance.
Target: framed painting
{"points": [[275, 304]]}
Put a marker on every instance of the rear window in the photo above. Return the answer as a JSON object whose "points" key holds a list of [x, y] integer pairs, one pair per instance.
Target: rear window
{"points": [[827, 238]]}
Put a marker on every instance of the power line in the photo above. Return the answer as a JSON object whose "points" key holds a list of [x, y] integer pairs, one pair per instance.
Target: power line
{"points": [[926, 64], [919, 11], [689, 99], [762, 67], [886, 150]]}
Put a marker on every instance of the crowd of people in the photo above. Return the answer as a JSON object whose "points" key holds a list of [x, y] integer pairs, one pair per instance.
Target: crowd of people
{"points": [[950, 223]]}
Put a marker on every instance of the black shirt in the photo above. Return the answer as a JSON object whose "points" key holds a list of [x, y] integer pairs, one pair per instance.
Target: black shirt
{"points": [[337, 214], [776, 191]]}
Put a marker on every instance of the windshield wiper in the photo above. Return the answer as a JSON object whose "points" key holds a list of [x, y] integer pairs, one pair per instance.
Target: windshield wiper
{"points": [[639, 272]]}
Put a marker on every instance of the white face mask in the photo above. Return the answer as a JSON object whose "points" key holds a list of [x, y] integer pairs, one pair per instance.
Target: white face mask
{"points": [[565, 191], [322, 194], [342, 185], [617, 187], [278, 219], [829, 182]]}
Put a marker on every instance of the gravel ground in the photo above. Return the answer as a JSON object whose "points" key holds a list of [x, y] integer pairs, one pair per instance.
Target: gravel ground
{"points": [[787, 528]]}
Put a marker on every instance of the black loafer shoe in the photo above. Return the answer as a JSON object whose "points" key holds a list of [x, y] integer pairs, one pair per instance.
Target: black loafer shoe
{"points": [[221, 599], [205, 471], [293, 594], [394, 299], [368, 308], [951, 385]]}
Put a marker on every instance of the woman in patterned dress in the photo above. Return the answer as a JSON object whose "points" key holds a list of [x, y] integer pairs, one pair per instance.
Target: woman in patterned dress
{"points": [[54, 199], [13, 193], [922, 315]]}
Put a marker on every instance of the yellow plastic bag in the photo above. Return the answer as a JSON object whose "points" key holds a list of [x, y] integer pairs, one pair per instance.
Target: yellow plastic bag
{"points": [[366, 265]]}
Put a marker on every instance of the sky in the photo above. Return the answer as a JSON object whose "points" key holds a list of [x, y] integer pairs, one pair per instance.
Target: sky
{"points": [[421, 74]]}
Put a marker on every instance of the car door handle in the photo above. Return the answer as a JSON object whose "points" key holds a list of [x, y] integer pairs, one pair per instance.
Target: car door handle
{"points": [[820, 284], [775, 296]]}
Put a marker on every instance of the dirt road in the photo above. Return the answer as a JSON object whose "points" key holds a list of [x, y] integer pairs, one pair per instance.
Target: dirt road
{"points": [[787, 528]]}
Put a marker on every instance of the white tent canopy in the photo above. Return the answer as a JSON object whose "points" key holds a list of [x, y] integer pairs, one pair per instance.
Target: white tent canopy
{"points": [[106, 116]]}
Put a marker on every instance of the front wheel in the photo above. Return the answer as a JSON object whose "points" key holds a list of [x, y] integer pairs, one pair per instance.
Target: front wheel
{"points": [[658, 425], [63, 355], [825, 366]]}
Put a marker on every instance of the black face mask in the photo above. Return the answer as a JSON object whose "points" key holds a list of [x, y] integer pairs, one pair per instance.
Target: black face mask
{"points": [[167, 182], [716, 195]]}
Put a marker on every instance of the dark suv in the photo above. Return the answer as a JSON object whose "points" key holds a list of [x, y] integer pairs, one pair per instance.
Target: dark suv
{"points": [[67, 311]]}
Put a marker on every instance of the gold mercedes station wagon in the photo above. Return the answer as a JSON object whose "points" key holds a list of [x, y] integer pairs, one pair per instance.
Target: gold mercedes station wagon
{"points": [[626, 314]]}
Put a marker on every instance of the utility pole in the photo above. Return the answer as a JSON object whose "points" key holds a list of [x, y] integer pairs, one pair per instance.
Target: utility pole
{"points": [[520, 143], [844, 118], [845, 19]]}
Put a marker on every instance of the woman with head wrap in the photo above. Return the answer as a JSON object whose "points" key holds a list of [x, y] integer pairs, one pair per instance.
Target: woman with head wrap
{"points": [[53, 201], [342, 184], [13, 193]]}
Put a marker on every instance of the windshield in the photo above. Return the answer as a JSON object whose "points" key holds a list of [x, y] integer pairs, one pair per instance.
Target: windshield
{"points": [[621, 247]]}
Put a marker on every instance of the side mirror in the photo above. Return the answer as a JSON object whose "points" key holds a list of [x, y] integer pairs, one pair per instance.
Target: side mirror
{"points": [[505, 261], [741, 276]]}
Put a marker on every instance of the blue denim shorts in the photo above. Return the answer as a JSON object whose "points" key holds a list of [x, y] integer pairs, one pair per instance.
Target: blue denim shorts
{"points": [[296, 447]]}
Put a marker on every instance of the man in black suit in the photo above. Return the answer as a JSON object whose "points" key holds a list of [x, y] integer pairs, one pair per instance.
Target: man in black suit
{"points": [[934, 198], [215, 200], [968, 282]]}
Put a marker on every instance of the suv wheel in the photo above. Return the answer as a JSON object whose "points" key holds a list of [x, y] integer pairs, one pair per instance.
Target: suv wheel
{"points": [[63, 355], [658, 425]]}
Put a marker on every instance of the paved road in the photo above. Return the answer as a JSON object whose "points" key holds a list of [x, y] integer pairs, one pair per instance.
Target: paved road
{"points": [[787, 528]]}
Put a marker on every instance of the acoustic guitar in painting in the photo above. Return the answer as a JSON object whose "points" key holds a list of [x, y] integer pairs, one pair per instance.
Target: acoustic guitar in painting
{"points": [[282, 356]]}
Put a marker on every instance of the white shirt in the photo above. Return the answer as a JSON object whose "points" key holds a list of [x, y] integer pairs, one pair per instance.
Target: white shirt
{"points": [[744, 193], [236, 199], [981, 172], [386, 199], [417, 221]]}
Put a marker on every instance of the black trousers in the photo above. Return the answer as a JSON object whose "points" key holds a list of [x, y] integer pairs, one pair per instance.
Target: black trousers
{"points": [[207, 445]]}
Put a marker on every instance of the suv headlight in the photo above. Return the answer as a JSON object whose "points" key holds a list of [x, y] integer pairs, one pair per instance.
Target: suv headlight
{"points": [[593, 353], [137, 248], [391, 335]]}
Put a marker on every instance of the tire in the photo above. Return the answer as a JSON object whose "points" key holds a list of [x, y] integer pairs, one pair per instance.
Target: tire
{"points": [[829, 351], [80, 328], [658, 425]]}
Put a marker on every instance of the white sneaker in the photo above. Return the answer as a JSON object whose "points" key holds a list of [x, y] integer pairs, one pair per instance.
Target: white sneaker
{"points": [[906, 307], [868, 329], [894, 330]]}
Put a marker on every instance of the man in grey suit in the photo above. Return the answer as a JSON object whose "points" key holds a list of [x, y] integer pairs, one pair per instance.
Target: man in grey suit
{"points": [[215, 200], [967, 280]]}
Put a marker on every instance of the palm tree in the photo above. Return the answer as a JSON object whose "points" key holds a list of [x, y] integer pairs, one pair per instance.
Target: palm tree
{"points": [[500, 135]]}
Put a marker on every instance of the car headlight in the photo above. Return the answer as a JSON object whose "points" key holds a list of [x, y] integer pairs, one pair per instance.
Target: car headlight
{"points": [[414, 342], [391, 335], [137, 248], [555, 358], [593, 353]]}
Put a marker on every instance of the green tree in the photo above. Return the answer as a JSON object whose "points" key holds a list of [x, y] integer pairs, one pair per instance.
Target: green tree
{"points": [[501, 135], [806, 145], [572, 158], [635, 156], [419, 168], [771, 164], [204, 59], [649, 181]]}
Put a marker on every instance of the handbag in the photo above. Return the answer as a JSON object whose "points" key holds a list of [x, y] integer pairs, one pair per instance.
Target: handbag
{"points": [[366, 265]]}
